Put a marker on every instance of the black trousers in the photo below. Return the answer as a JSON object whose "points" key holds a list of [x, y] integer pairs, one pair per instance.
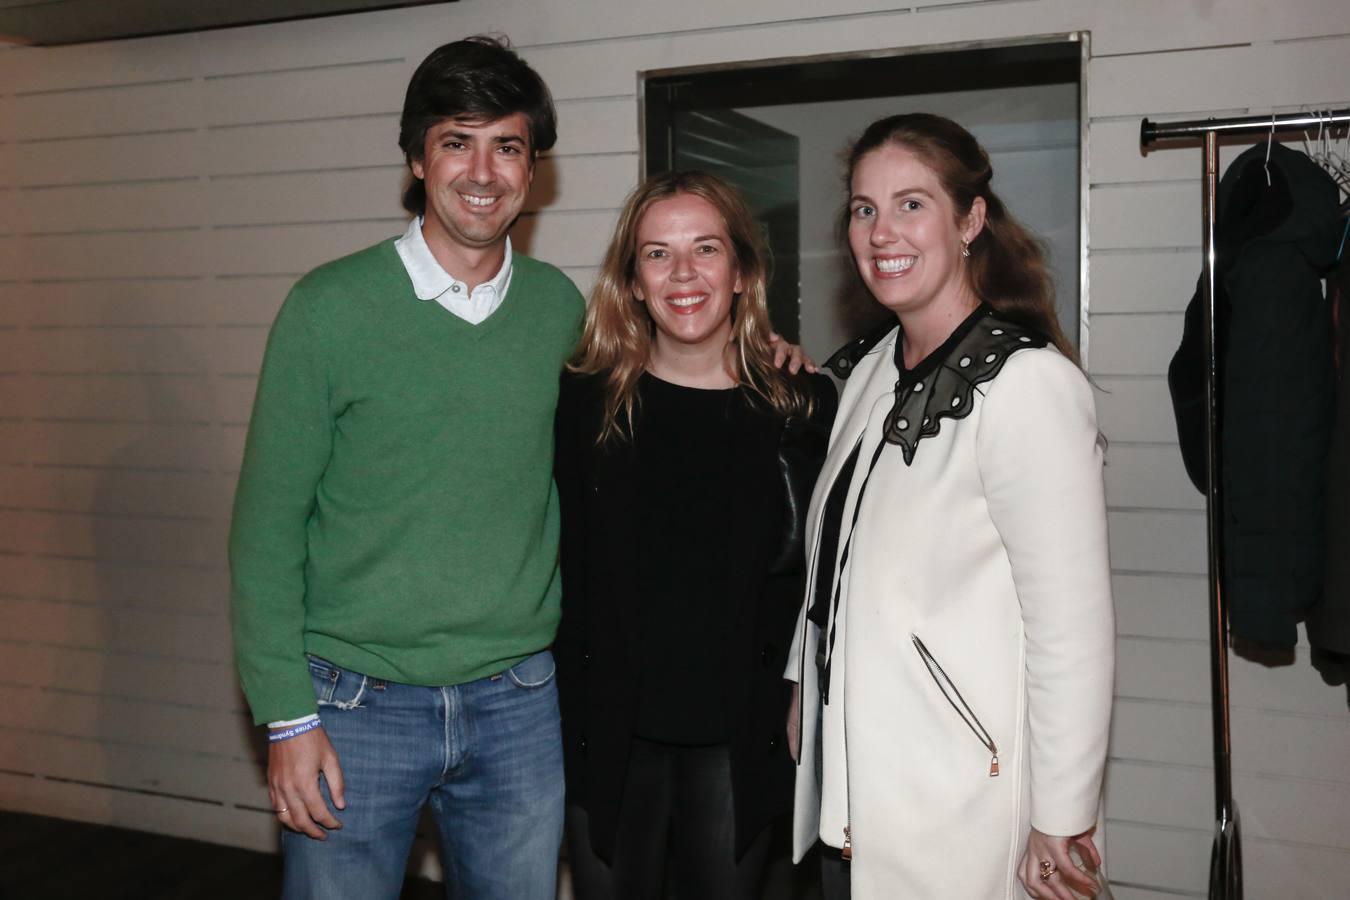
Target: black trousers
{"points": [[676, 828], [834, 883]]}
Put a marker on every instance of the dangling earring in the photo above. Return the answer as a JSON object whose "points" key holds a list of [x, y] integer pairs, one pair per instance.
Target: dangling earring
{"points": [[965, 248]]}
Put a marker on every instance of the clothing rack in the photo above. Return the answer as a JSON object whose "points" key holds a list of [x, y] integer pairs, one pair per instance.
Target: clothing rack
{"points": [[1225, 865]]}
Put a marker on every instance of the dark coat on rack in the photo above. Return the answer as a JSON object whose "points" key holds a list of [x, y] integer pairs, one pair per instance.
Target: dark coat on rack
{"points": [[1274, 244], [1329, 620], [600, 630]]}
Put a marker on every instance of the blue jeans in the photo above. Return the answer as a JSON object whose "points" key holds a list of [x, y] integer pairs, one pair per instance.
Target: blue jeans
{"points": [[486, 755]]}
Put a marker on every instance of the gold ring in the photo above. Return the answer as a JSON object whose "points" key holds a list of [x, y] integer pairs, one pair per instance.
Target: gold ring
{"points": [[1048, 868]]}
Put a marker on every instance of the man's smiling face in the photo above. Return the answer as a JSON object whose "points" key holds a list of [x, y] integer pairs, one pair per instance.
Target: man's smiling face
{"points": [[477, 174]]}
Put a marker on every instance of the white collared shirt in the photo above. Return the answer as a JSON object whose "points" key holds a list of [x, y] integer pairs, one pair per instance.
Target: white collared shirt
{"points": [[431, 282]]}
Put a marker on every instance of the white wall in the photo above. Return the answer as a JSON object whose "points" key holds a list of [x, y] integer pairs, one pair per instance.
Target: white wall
{"points": [[1031, 134], [158, 196]]}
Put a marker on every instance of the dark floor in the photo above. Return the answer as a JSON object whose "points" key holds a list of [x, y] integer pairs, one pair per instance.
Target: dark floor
{"points": [[53, 859]]}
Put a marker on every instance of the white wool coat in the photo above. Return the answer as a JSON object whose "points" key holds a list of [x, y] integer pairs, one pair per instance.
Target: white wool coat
{"points": [[991, 549]]}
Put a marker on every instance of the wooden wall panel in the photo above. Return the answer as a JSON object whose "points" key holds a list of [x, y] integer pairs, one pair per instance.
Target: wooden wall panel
{"points": [[1150, 476], [1134, 344], [1148, 216], [158, 197], [1132, 281], [1151, 731], [149, 633], [134, 109], [100, 396], [1135, 408], [1236, 77], [113, 583], [1158, 541], [1161, 606], [302, 146], [240, 825], [207, 685], [117, 492]]}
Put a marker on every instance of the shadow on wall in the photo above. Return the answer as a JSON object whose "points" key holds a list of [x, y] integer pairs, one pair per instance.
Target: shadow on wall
{"points": [[166, 727], [544, 191], [1334, 669]]}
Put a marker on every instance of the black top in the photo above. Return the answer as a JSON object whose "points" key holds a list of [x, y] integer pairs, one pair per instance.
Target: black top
{"points": [[687, 559], [682, 578]]}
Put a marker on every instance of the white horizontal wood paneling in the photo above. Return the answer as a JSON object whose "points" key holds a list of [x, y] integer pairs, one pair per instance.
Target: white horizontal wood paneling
{"points": [[1148, 856], [117, 491], [1149, 476], [1161, 606], [1132, 281], [159, 196], [1134, 344], [1155, 862], [96, 396], [1135, 408], [188, 636], [53, 795], [1178, 734], [171, 771], [1145, 216], [1182, 797], [1163, 541], [1310, 73], [161, 540], [95, 302], [181, 448], [204, 685], [111, 583]]}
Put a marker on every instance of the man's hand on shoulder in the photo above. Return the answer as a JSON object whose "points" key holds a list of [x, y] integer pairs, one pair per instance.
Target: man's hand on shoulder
{"points": [[293, 769], [790, 356]]}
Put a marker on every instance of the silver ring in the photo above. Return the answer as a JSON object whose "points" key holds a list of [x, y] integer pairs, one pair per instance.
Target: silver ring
{"points": [[282, 810]]}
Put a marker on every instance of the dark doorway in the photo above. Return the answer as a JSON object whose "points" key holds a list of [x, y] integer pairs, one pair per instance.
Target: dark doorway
{"points": [[776, 131]]}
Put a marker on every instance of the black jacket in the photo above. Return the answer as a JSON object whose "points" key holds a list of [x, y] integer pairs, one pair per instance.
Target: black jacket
{"points": [[598, 636], [1274, 244], [1329, 620]]}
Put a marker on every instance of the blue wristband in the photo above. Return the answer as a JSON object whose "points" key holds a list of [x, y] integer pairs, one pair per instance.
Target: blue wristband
{"points": [[285, 734]]}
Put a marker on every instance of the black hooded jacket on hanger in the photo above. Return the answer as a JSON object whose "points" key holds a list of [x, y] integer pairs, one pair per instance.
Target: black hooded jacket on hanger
{"points": [[1275, 243]]}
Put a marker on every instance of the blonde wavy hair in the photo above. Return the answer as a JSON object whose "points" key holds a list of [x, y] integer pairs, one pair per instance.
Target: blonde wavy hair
{"points": [[616, 341]]}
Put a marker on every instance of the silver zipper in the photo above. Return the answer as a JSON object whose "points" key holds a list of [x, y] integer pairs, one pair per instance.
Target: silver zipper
{"points": [[949, 691]]}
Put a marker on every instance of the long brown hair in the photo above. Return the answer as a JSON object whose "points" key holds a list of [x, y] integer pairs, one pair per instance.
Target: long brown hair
{"points": [[1006, 268], [616, 341]]}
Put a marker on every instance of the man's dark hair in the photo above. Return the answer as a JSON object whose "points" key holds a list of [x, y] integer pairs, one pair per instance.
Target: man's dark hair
{"points": [[478, 78]]}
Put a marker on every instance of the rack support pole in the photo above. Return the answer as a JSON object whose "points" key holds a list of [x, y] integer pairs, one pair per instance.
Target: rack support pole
{"points": [[1225, 865]]}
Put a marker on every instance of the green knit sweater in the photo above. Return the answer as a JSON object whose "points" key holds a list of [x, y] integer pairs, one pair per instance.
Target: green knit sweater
{"points": [[396, 512]]}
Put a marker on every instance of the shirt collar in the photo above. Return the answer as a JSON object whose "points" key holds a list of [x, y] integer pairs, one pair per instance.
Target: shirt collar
{"points": [[429, 280]]}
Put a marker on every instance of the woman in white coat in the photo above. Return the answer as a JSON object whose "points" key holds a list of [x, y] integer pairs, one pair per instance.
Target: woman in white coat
{"points": [[954, 656]]}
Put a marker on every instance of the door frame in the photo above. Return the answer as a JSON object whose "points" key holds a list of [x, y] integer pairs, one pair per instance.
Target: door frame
{"points": [[1082, 38]]}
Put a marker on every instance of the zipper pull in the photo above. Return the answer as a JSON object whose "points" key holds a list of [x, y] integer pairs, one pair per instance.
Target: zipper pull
{"points": [[847, 852], [993, 766]]}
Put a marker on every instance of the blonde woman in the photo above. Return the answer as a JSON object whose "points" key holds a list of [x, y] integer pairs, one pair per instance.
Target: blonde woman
{"points": [[684, 459]]}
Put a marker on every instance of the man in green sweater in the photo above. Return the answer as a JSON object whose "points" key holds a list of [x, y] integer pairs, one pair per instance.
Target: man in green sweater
{"points": [[395, 533]]}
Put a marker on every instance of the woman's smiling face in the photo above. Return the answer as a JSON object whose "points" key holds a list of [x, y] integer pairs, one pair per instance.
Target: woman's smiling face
{"points": [[904, 232], [686, 271]]}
